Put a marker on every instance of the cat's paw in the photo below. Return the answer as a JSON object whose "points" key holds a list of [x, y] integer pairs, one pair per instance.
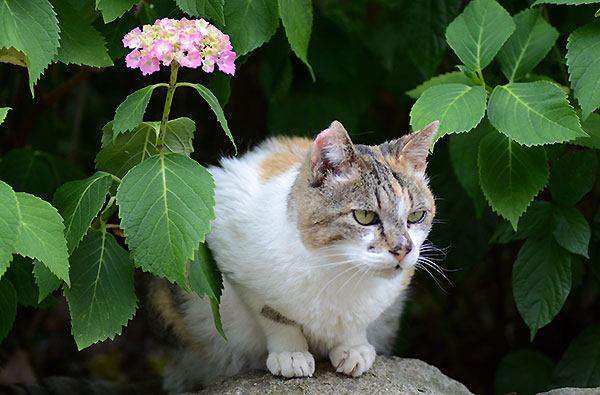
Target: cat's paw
{"points": [[291, 364], [352, 360]]}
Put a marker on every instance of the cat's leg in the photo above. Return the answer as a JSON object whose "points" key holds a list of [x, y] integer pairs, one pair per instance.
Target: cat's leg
{"points": [[353, 355], [286, 345]]}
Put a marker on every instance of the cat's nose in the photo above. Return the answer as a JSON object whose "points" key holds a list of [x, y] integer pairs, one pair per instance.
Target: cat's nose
{"points": [[401, 248]]}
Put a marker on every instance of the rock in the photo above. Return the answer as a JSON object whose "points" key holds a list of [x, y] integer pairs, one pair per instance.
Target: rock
{"points": [[573, 391], [388, 375]]}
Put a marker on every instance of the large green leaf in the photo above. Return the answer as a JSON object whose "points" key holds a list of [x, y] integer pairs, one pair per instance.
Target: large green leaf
{"points": [[583, 61], [458, 107], [250, 23], [101, 297], [166, 205], [529, 44], [205, 279], [533, 113], [580, 364], [3, 112], [573, 175], [9, 225], [30, 26], [27, 171], [209, 9], [119, 155], [479, 32], [130, 113], [572, 231], [45, 280], [541, 280], [113, 9], [79, 202], [80, 43], [297, 18], [523, 372], [453, 77], [510, 174], [41, 234], [8, 307]]}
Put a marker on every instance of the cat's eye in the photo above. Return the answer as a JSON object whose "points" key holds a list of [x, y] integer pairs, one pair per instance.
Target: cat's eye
{"points": [[416, 216], [365, 217]]}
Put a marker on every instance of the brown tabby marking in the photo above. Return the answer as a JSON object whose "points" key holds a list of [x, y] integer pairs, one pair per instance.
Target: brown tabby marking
{"points": [[289, 152]]}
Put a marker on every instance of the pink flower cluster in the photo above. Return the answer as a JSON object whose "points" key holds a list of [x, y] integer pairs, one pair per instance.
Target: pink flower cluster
{"points": [[191, 43]]}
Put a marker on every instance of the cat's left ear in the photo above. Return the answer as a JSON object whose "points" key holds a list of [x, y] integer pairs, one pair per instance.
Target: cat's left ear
{"points": [[332, 151], [412, 150]]}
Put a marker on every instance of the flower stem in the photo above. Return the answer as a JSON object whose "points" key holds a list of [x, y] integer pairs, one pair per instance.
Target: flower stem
{"points": [[167, 108]]}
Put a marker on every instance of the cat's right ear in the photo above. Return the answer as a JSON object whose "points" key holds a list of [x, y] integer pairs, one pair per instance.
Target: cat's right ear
{"points": [[332, 151]]}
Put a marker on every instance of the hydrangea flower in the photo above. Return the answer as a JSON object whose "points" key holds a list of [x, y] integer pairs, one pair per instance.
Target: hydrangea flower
{"points": [[190, 43]]}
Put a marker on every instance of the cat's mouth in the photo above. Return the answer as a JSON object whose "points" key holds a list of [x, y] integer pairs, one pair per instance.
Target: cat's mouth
{"points": [[390, 271]]}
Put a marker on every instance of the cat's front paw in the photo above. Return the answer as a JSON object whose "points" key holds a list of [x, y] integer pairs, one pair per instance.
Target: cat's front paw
{"points": [[291, 364], [352, 360]]}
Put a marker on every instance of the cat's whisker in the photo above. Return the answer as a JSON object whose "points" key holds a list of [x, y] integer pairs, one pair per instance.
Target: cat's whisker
{"points": [[359, 269], [421, 267], [333, 279]]}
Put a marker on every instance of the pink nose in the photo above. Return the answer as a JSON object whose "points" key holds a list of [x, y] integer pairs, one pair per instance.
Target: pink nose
{"points": [[402, 248]]}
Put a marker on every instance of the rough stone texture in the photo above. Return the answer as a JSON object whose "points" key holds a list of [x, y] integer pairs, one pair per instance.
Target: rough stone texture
{"points": [[573, 391], [388, 375]]}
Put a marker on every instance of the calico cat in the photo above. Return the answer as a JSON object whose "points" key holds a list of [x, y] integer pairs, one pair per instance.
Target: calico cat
{"points": [[317, 242]]}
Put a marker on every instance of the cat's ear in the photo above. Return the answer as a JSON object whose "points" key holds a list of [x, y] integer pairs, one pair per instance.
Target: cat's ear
{"points": [[410, 152], [332, 151]]}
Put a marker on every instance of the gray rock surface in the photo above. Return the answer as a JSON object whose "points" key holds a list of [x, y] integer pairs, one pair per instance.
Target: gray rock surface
{"points": [[388, 375], [573, 391]]}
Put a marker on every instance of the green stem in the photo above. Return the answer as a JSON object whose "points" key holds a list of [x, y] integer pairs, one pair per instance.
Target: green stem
{"points": [[167, 108], [102, 219]]}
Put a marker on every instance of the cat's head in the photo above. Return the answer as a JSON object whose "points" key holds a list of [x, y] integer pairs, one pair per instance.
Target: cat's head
{"points": [[369, 206]]}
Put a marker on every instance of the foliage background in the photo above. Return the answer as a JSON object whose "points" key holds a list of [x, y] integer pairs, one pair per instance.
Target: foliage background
{"points": [[365, 55]]}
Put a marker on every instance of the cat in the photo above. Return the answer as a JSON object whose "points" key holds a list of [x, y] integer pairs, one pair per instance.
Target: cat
{"points": [[317, 242]]}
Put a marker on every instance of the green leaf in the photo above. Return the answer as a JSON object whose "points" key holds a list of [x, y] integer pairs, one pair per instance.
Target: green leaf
{"points": [[583, 47], [166, 205], [580, 364], [46, 281], [114, 32], [572, 231], [213, 102], [533, 113], [250, 23], [130, 113], [30, 26], [20, 275], [209, 9], [79, 202], [511, 175], [591, 126], [573, 176], [205, 279], [458, 107], [129, 149], [113, 9], [523, 372], [479, 32], [101, 297], [453, 77], [27, 171], [41, 234], [9, 225], [3, 112], [529, 44], [297, 17], [8, 307]]}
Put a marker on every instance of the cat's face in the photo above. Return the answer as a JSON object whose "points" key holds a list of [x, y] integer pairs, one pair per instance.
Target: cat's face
{"points": [[366, 206]]}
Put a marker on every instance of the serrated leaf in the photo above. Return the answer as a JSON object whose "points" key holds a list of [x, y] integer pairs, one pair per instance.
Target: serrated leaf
{"points": [[541, 280], [8, 307], [214, 104], [166, 205], [533, 113], [205, 279], [80, 43], [529, 44], [573, 176], [580, 364], [113, 9], [30, 26], [209, 9], [9, 225], [591, 126], [523, 372], [297, 18], [3, 112], [250, 23], [478, 33], [572, 231], [583, 52], [130, 113], [458, 107], [133, 147], [79, 202], [41, 234], [101, 273], [27, 171], [510, 174], [453, 77], [46, 281]]}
